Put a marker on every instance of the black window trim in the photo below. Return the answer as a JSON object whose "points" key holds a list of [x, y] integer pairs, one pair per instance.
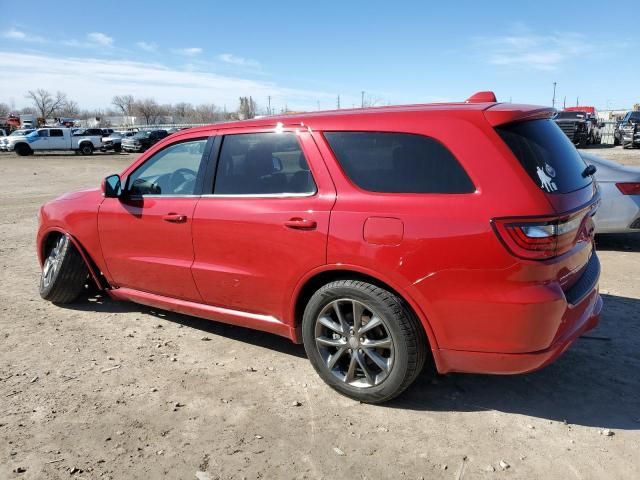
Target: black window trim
{"points": [[204, 161], [373, 192], [212, 171]]}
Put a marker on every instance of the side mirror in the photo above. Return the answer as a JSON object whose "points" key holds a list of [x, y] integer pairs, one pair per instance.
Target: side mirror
{"points": [[112, 187]]}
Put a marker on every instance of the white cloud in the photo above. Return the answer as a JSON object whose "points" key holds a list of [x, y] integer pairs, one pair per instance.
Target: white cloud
{"points": [[189, 52], [93, 82], [528, 50], [240, 61], [14, 34], [147, 46], [100, 38]]}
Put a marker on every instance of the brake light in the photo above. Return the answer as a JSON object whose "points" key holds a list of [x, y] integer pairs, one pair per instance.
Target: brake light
{"points": [[544, 238], [629, 188]]}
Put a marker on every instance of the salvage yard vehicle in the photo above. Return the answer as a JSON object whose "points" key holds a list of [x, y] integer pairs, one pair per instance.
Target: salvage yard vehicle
{"points": [[141, 141], [458, 233], [619, 185], [4, 141], [114, 141], [580, 126], [53, 139], [630, 130]]}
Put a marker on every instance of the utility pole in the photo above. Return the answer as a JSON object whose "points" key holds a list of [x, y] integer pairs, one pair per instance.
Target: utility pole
{"points": [[362, 99], [338, 105], [553, 100], [577, 101], [269, 102], [564, 102]]}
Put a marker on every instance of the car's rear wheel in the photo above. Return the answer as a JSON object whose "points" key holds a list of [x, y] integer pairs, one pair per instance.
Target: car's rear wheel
{"points": [[86, 148], [64, 273], [23, 150], [363, 340]]}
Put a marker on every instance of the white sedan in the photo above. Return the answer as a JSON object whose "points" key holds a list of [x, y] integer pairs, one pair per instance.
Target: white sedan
{"points": [[619, 210]]}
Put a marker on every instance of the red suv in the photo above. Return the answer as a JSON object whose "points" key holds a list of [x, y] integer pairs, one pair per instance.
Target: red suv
{"points": [[379, 237]]}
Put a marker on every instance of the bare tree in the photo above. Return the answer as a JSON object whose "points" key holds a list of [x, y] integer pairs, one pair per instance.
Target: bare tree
{"points": [[182, 112], [4, 109], [371, 101], [148, 109], [45, 103], [124, 104], [206, 113], [69, 109], [247, 108]]}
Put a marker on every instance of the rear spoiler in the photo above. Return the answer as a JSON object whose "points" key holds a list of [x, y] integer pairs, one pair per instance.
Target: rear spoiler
{"points": [[502, 113]]}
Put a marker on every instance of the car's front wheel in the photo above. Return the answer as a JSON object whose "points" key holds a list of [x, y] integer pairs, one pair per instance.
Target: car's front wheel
{"points": [[64, 273], [363, 340], [86, 149]]}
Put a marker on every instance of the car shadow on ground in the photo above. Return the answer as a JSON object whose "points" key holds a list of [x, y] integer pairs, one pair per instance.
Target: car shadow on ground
{"points": [[95, 301], [595, 383], [599, 146], [625, 242]]}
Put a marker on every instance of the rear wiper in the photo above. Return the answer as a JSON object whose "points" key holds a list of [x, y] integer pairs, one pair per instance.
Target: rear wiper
{"points": [[589, 171]]}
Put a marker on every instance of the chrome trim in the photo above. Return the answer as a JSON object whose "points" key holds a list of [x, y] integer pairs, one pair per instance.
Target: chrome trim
{"points": [[164, 196], [259, 195]]}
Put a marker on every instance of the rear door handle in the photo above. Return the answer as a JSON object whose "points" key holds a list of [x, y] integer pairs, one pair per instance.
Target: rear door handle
{"points": [[301, 224], [175, 218]]}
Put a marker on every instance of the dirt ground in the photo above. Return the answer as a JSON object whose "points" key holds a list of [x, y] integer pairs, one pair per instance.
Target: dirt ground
{"points": [[109, 390]]}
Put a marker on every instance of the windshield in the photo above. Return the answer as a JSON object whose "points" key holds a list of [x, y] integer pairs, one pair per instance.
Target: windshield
{"points": [[141, 135], [571, 115], [21, 132]]}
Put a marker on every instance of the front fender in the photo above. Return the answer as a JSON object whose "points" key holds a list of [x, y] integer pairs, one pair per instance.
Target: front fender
{"points": [[76, 215]]}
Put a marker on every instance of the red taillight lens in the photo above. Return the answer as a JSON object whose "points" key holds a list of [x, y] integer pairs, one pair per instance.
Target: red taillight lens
{"points": [[539, 239], [629, 188]]}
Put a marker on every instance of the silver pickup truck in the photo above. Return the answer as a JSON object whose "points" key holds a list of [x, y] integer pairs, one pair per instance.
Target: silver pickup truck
{"points": [[53, 138]]}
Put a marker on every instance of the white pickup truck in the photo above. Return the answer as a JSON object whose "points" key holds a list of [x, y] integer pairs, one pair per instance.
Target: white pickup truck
{"points": [[51, 138]]}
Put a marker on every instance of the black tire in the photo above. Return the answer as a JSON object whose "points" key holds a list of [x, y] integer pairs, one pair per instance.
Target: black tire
{"points": [[397, 322], [63, 280], [117, 148], [23, 149], [86, 148]]}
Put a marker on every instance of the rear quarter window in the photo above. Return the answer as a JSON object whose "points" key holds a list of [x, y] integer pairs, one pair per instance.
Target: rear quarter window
{"points": [[398, 163], [546, 154]]}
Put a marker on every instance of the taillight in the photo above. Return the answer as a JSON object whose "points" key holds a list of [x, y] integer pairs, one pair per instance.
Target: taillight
{"points": [[543, 238], [629, 188]]}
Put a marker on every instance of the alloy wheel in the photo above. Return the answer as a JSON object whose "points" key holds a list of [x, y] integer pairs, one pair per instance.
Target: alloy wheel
{"points": [[52, 263], [354, 343]]}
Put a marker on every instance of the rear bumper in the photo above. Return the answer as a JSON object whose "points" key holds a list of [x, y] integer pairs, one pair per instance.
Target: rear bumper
{"points": [[507, 363]]}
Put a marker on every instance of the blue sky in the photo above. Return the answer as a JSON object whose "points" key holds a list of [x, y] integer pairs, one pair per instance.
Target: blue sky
{"points": [[303, 54]]}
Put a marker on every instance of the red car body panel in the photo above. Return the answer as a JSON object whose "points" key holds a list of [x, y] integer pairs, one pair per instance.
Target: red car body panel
{"points": [[245, 261]]}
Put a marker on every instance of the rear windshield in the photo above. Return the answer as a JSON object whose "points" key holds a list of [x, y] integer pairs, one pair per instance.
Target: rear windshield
{"points": [[546, 154], [398, 163]]}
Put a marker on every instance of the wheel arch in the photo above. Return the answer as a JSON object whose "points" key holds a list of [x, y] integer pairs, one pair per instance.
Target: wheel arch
{"points": [[316, 279], [47, 241]]}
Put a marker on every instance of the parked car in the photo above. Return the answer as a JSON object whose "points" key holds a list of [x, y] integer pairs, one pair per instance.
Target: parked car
{"points": [[47, 139], [141, 141], [630, 130], [581, 127], [114, 141], [462, 233], [619, 210], [4, 141], [80, 132]]}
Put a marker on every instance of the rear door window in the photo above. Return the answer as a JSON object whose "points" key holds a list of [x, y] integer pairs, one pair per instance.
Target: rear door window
{"points": [[546, 154], [55, 133], [263, 164], [398, 163]]}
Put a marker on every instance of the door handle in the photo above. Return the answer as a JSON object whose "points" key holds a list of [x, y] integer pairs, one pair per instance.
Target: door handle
{"points": [[175, 218], [301, 224]]}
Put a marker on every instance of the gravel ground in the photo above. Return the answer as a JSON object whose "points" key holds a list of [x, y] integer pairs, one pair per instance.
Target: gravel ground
{"points": [[101, 389]]}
